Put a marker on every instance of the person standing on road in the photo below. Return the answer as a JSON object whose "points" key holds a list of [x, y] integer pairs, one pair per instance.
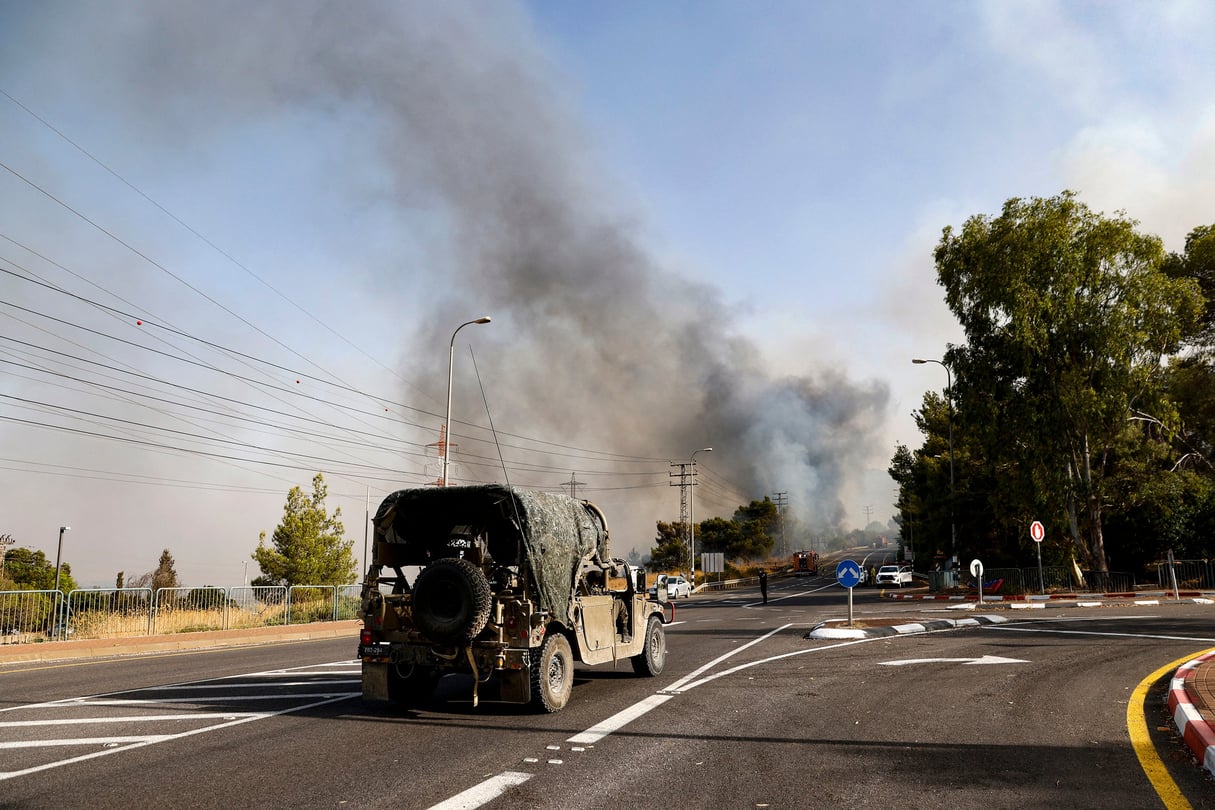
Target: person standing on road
{"points": [[763, 585]]}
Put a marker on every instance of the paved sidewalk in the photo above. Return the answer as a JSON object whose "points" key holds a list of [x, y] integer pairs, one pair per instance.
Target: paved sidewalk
{"points": [[175, 642], [1192, 701]]}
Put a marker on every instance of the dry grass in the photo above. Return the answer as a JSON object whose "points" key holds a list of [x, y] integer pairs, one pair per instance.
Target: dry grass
{"points": [[103, 624]]}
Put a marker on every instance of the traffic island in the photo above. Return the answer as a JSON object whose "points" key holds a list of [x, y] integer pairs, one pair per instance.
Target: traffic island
{"points": [[870, 627]]}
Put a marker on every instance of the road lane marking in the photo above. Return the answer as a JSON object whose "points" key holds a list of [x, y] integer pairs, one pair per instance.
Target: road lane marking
{"points": [[212, 712], [485, 792], [18, 668], [242, 685], [678, 685], [492, 788], [207, 700], [773, 598], [772, 658], [475, 796], [239, 721], [131, 718], [986, 659], [619, 720], [144, 738], [1136, 725]]}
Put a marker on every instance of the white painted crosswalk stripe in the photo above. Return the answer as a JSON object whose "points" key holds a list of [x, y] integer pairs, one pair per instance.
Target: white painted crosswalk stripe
{"points": [[208, 705]]}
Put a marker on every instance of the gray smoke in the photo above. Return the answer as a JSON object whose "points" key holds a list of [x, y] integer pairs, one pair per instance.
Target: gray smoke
{"points": [[593, 344]]}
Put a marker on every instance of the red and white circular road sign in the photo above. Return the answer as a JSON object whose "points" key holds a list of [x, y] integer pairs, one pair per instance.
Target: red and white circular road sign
{"points": [[1036, 531]]}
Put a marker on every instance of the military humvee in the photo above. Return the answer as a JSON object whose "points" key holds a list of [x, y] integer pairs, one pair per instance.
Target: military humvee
{"points": [[514, 587]]}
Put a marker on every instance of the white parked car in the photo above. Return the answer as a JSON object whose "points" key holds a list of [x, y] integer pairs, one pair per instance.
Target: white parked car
{"points": [[677, 585], [896, 575]]}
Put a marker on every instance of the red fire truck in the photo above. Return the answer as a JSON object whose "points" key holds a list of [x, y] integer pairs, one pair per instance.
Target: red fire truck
{"points": [[805, 563]]}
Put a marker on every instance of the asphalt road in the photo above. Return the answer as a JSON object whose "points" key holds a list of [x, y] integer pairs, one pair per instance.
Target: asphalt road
{"points": [[749, 713]]}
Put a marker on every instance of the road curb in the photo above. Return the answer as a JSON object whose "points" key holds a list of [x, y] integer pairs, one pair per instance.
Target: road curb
{"points": [[824, 632], [1198, 733], [1151, 597]]}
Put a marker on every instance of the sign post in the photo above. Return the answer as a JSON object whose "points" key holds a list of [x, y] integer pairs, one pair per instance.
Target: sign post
{"points": [[1036, 532], [976, 570], [848, 574]]}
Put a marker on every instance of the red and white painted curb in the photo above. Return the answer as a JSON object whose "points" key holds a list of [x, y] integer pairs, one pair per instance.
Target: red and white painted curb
{"points": [[1153, 597], [1198, 733]]}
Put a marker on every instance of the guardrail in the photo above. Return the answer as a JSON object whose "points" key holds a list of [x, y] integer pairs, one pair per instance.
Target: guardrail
{"points": [[727, 584], [36, 616]]}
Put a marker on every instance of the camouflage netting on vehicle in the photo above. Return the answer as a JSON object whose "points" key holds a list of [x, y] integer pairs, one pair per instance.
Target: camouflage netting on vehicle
{"points": [[555, 532]]}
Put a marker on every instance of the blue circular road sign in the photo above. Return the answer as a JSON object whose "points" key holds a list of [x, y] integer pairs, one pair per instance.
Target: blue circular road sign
{"points": [[848, 574]]}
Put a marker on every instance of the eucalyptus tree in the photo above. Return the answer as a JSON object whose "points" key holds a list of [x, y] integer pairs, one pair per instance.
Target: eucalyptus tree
{"points": [[1197, 262], [1068, 318]]}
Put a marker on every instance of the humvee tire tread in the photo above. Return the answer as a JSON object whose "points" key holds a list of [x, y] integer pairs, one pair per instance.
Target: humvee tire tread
{"points": [[653, 656], [553, 674], [451, 601]]}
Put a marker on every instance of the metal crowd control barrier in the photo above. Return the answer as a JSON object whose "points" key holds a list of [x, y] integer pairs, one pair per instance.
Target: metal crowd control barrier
{"points": [[183, 610], [108, 614], [1054, 578], [1109, 581], [32, 616], [347, 601], [1190, 574], [311, 603], [1059, 578], [27, 616], [257, 606]]}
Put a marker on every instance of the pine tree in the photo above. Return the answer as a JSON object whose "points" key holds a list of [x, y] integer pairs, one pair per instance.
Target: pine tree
{"points": [[307, 547]]}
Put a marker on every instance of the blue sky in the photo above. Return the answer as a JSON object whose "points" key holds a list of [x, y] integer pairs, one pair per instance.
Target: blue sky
{"points": [[694, 223]]}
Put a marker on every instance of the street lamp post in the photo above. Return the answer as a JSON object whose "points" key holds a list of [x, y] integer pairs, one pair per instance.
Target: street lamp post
{"points": [[692, 515], [59, 553], [59, 612], [451, 357], [953, 533]]}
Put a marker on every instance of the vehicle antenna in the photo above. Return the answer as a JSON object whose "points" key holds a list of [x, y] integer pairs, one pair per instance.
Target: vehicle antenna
{"points": [[506, 475]]}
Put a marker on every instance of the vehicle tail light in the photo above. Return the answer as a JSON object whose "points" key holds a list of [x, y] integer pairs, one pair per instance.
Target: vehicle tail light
{"points": [[364, 636]]}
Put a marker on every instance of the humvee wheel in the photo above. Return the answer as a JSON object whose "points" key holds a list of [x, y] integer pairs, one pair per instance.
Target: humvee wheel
{"points": [[653, 655], [416, 686], [553, 674], [451, 601]]}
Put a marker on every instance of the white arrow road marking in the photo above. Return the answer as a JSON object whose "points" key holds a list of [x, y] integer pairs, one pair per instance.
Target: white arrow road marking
{"points": [[986, 659]]}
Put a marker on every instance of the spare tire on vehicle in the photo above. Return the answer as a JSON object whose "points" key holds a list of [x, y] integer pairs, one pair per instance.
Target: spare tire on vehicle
{"points": [[451, 601]]}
